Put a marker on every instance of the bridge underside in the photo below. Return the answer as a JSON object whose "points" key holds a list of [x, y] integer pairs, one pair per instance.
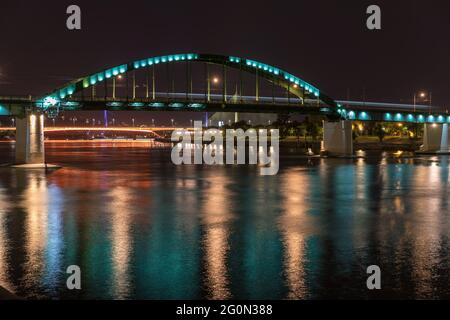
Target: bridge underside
{"points": [[202, 107], [19, 108], [173, 105]]}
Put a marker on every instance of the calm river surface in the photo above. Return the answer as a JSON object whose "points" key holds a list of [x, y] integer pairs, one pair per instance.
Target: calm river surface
{"points": [[140, 227]]}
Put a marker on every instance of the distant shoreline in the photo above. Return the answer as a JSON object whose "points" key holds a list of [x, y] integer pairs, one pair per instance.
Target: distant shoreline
{"points": [[392, 145]]}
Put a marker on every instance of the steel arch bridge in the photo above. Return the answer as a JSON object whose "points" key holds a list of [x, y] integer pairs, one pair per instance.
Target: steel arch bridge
{"points": [[299, 92], [302, 97]]}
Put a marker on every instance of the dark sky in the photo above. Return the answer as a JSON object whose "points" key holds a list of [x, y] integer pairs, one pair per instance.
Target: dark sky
{"points": [[324, 42]]}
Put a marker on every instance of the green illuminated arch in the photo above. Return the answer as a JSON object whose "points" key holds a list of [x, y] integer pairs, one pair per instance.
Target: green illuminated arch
{"points": [[294, 84]]}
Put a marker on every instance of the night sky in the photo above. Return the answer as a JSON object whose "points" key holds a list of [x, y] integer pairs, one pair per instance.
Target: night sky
{"points": [[325, 42]]}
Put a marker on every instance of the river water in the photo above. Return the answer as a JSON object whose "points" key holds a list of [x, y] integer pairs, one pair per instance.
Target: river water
{"points": [[140, 227]]}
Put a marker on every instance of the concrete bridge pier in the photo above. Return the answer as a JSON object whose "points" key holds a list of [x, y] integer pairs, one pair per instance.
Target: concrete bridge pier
{"points": [[337, 138], [445, 148], [435, 139], [30, 140]]}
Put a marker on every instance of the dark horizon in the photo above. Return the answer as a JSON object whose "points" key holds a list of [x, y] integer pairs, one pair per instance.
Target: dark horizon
{"points": [[325, 42]]}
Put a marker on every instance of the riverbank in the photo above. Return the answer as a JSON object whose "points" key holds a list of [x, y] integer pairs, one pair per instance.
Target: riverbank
{"points": [[365, 143], [370, 143]]}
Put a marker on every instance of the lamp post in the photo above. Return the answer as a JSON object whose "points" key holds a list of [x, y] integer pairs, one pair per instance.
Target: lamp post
{"points": [[431, 96], [421, 94], [114, 85]]}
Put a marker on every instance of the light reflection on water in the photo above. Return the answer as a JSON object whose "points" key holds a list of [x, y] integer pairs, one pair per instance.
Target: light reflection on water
{"points": [[216, 217], [295, 227], [140, 227]]}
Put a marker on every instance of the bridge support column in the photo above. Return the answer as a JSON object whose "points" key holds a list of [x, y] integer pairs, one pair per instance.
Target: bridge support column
{"points": [[337, 138], [435, 139], [445, 148], [30, 139]]}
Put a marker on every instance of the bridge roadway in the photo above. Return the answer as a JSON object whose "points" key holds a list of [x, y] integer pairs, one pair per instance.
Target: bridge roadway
{"points": [[351, 110]]}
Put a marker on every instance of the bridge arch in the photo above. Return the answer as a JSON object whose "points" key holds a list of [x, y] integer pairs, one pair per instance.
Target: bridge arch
{"points": [[295, 85]]}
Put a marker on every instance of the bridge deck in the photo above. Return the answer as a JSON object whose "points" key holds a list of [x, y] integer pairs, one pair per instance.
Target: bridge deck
{"points": [[353, 110]]}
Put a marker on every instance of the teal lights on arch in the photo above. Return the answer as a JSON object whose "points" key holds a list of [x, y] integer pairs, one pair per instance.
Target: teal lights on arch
{"points": [[235, 59], [97, 78], [164, 59], [278, 72], [79, 84]]}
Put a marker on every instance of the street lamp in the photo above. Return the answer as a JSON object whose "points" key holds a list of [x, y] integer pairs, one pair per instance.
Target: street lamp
{"points": [[421, 95], [171, 120], [132, 120]]}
